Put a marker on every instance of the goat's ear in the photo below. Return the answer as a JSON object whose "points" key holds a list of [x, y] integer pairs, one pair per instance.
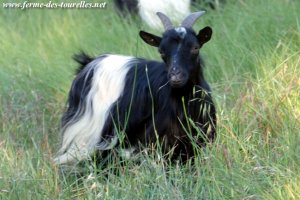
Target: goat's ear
{"points": [[151, 39], [204, 35]]}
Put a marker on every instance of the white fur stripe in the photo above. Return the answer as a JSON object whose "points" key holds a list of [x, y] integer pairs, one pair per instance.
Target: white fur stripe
{"points": [[81, 137]]}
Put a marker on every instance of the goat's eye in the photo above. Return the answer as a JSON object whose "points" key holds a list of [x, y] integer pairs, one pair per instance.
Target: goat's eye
{"points": [[195, 49]]}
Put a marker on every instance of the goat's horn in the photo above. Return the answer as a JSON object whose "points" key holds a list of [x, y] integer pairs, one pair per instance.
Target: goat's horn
{"points": [[165, 21], [191, 19]]}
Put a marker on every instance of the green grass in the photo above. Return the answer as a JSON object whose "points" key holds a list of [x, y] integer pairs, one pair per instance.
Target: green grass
{"points": [[253, 66]]}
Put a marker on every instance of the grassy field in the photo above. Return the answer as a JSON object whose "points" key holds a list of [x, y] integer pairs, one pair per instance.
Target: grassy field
{"points": [[253, 66]]}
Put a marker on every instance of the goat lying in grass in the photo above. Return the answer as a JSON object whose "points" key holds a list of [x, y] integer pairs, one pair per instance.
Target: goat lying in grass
{"points": [[130, 102]]}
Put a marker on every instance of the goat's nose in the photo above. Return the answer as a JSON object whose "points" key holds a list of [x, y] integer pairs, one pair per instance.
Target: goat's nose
{"points": [[175, 71], [175, 75], [174, 78]]}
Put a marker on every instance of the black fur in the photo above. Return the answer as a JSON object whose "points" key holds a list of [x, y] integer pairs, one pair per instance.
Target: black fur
{"points": [[133, 113], [124, 6], [83, 59], [80, 88], [168, 101]]}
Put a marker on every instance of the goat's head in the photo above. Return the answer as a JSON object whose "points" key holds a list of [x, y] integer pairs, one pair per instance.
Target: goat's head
{"points": [[179, 47]]}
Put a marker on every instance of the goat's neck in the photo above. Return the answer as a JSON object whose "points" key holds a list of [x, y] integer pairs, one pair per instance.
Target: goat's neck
{"points": [[197, 74]]}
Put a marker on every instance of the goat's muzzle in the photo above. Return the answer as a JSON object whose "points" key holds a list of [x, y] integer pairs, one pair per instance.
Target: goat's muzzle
{"points": [[176, 78]]}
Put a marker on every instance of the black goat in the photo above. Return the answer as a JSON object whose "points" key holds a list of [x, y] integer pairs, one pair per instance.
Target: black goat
{"points": [[145, 101]]}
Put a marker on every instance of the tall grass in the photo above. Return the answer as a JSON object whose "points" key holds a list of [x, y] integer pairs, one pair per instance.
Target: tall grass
{"points": [[252, 64]]}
